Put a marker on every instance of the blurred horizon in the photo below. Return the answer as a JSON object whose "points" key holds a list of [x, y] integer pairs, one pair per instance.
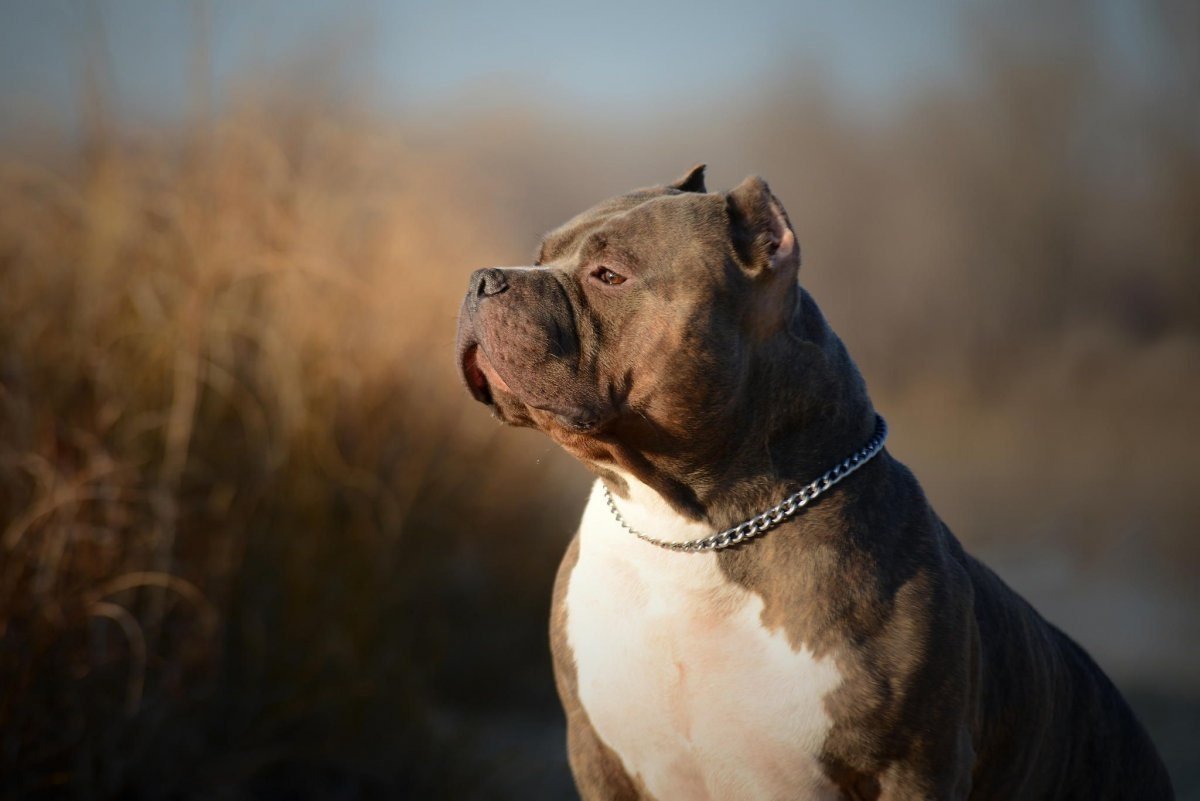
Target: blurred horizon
{"points": [[153, 59], [255, 538]]}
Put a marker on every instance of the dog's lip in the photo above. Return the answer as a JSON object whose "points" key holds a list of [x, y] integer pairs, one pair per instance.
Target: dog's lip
{"points": [[480, 373], [485, 365], [474, 375]]}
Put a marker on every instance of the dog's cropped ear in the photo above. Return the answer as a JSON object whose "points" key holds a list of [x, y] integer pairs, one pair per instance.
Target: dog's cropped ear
{"points": [[762, 233], [692, 181]]}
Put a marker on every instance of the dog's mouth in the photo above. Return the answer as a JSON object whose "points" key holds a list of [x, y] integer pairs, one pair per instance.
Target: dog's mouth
{"points": [[481, 375], [538, 400], [483, 382], [473, 375]]}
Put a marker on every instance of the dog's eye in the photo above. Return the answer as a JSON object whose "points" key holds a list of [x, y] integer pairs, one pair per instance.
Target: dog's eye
{"points": [[608, 276]]}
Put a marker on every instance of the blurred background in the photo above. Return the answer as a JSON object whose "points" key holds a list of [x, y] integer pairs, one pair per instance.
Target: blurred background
{"points": [[255, 539]]}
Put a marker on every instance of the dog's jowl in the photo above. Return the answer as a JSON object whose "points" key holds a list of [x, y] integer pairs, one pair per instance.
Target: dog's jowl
{"points": [[760, 602]]}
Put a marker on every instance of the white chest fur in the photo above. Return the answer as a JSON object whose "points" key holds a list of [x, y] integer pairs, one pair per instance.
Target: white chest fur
{"points": [[677, 673]]}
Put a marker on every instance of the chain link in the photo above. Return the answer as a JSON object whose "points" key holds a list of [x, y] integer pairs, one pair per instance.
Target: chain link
{"points": [[778, 513]]}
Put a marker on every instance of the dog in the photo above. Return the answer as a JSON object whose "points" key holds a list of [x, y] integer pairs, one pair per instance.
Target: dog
{"points": [[760, 602]]}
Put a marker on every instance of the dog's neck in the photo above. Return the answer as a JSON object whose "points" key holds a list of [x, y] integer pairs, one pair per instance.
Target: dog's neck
{"points": [[784, 431]]}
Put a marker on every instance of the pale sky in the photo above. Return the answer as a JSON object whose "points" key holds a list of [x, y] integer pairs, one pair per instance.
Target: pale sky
{"points": [[620, 56]]}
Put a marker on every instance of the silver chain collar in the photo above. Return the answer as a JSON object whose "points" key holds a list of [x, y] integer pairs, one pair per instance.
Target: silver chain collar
{"points": [[778, 513]]}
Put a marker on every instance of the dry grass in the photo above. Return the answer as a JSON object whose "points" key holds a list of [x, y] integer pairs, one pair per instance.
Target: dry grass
{"points": [[229, 438]]}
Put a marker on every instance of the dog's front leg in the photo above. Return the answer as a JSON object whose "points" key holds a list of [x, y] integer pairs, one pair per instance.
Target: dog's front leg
{"points": [[599, 774], [941, 772]]}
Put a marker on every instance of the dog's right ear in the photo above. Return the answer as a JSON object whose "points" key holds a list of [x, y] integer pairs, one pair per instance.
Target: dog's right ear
{"points": [[692, 180], [762, 234]]}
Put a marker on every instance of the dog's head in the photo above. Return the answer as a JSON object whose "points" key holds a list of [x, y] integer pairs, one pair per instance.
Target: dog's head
{"points": [[646, 321]]}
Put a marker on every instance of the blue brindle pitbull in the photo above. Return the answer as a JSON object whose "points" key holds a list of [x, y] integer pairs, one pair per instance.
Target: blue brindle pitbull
{"points": [[760, 602]]}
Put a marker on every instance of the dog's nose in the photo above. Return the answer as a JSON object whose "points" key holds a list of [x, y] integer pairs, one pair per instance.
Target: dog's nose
{"points": [[488, 282]]}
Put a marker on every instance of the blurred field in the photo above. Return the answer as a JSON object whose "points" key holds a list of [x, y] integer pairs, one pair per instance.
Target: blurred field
{"points": [[257, 542]]}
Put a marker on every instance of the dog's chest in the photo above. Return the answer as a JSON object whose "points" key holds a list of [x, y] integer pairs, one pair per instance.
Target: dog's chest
{"points": [[677, 673]]}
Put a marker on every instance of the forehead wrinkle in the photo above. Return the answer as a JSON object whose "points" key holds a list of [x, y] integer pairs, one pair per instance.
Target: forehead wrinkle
{"points": [[703, 222], [566, 238], [592, 245], [563, 240]]}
